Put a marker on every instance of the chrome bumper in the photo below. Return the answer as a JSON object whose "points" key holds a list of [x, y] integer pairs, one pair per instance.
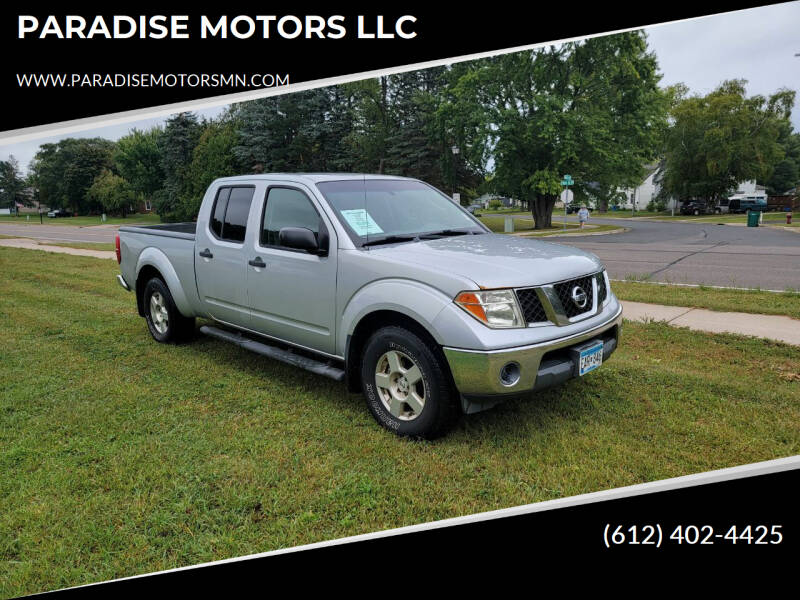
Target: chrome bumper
{"points": [[123, 283], [477, 373]]}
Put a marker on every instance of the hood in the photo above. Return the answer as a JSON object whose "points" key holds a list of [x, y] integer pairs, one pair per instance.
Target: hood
{"points": [[496, 260]]}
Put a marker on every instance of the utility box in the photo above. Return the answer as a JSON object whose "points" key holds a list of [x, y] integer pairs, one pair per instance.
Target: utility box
{"points": [[508, 225]]}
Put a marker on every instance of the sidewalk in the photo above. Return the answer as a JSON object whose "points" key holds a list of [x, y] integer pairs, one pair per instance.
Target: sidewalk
{"points": [[29, 244], [782, 329]]}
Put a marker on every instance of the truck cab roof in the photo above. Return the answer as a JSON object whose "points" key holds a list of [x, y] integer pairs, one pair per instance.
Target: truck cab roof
{"points": [[310, 177]]}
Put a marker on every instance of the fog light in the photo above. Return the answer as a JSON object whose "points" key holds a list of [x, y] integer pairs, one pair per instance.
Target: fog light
{"points": [[509, 374]]}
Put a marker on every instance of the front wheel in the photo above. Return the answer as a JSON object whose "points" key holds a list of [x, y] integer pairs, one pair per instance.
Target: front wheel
{"points": [[165, 322], [406, 384]]}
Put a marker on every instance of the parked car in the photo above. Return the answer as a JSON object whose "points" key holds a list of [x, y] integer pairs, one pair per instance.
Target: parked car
{"points": [[474, 208], [696, 208], [381, 282], [59, 212], [746, 205]]}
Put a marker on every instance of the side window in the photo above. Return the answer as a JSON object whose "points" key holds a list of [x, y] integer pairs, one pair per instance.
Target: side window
{"points": [[229, 216], [236, 215], [218, 214], [287, 207]]}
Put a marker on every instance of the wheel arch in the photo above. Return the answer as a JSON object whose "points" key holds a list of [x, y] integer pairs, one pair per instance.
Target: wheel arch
{"points": [[154, 263], [368, 325]]}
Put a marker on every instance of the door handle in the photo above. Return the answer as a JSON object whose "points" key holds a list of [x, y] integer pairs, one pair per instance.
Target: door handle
{"points": [[257, 262], [206, 253]]}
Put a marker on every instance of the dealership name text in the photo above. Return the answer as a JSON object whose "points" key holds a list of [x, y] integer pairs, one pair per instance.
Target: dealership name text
{"points": [[176, 27]]}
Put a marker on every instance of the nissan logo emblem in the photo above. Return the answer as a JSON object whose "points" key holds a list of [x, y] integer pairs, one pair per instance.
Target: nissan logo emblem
{"points": [[579, 297]]}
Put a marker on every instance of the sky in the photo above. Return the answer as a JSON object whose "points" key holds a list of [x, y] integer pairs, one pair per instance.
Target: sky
{"points": [[758, 45]]}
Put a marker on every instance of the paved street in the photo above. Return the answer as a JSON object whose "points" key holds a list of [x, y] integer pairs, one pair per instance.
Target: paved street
{"points": [[704, 253], [61, 233]]}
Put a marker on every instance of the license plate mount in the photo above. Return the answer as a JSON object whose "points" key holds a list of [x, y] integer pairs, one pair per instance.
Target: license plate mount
{"points": [[588, 357]]}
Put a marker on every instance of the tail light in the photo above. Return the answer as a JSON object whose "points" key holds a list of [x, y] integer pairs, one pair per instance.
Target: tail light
{"points": [[116, 247]]}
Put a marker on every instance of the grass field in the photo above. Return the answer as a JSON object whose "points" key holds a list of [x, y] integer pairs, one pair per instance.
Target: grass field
{"points": [[747, 301], [149, 219], [122, 456], [525, 224]]}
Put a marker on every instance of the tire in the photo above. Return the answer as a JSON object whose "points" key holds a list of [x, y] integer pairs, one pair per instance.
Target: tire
{"points": [[165, 322], [389, 355]]}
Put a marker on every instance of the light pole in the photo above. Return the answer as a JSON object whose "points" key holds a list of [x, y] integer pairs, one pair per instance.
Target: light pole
{"points": [[455, 153]]}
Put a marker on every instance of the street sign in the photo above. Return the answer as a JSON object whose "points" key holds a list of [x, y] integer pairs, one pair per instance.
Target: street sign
{"points": [[567, 180]]}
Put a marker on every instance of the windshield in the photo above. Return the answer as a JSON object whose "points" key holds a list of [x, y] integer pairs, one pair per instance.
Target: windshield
{"points": [[373, 209]]}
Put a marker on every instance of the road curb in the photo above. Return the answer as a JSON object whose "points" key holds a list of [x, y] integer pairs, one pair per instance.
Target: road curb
{"points": [[572, 234], [29, 244]]}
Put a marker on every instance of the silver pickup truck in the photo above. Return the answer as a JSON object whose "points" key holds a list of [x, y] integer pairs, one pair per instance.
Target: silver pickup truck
{"points": [[382, 282]]}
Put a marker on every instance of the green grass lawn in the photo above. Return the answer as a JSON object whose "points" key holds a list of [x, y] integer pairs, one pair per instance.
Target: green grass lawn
{"points": [[122, 456], [748, 301], [149, 218], [525, 223]]}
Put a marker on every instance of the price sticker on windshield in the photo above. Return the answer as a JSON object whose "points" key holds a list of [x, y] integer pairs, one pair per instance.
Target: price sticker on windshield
{"points": [[361, 221]]}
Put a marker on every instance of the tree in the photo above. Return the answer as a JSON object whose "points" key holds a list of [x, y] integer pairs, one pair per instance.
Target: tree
{"points": [[11, 183], [722, 139], [591, 108], [138, 160], [112, 192], [213, 157], [66, 170], [181, 134], [787, 172]]}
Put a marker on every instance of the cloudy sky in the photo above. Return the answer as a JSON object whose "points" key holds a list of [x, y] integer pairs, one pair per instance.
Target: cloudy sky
{"points": [[758, 45]]}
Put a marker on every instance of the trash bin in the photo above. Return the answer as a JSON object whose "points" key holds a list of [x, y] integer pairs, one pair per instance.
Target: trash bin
{"points": [[752, 218], [788, 218]]}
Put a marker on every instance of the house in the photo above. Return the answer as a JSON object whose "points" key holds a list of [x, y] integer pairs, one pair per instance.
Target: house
{"points": [[639, 197], [504, 201]]}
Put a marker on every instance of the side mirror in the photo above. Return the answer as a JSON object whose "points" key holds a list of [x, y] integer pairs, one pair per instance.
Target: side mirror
{"points": [[299, 238]]}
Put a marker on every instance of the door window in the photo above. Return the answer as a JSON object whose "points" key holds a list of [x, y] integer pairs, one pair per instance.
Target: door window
{"points": [[287, 207], [230, 212]]}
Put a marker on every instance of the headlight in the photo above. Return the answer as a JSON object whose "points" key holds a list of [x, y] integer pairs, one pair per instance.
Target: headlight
{"points": [[495, 308]]}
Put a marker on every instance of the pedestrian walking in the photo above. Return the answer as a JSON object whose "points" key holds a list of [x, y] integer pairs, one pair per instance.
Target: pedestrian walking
{"points": [[583, 215]]}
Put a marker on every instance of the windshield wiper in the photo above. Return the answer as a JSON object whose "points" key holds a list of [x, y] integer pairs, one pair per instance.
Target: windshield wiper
{"points": [[391, 239], [445, 232]]}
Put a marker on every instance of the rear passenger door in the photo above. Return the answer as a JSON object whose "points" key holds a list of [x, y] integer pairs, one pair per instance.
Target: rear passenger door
{"points": [[292, 295], [220, 264]]}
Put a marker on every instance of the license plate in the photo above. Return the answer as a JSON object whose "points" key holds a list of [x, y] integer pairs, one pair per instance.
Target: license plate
{"points": [[590, 358]]}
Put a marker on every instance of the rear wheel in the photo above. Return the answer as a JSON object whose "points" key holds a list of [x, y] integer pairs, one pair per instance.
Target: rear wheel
{"points": [[165, 322], [406, 384]]}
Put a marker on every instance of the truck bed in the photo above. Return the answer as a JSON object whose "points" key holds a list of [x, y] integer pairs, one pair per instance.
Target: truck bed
{"points": [[178, 230]]}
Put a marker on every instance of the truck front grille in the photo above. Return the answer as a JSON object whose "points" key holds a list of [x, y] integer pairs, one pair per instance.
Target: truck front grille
{"points": [[602, 293], [532, 309], [564, 291]]}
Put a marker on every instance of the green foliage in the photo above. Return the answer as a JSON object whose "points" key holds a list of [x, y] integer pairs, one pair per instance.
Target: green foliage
{"points": [[723, 138], [112, 192], [213, 157], [137, 158], [65, 171], [11, 183], [592, 109], [181, 134], [787, 172]]}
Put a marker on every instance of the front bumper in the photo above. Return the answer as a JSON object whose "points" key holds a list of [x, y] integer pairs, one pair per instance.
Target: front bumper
{"points": [[477, 373]]}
